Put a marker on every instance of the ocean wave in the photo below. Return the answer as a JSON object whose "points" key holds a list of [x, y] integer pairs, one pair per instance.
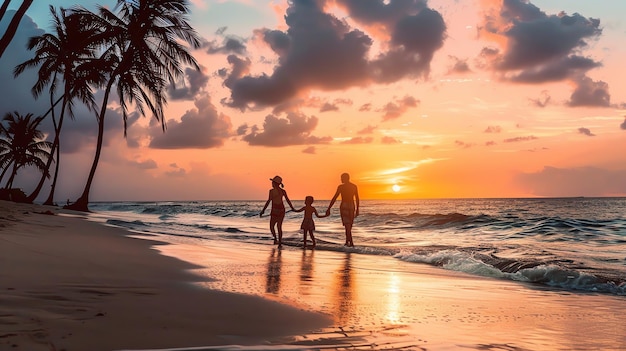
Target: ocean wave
{"points": [[127, 224], [533, 225], [521, 222], [574, 244], [187, 230], [554, 273], [556, 276], [528, 271]]}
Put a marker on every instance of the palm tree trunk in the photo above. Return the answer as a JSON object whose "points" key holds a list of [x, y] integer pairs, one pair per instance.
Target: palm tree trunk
{"points": [[82, 204], [4, 171], [3, 8], [53, 105], [55, 146], [50, 199], [57, 139], [15, 22], [13, 173]]}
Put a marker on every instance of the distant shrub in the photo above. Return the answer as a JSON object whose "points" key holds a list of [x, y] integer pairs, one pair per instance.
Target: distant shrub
{"points": [[14, 194]]}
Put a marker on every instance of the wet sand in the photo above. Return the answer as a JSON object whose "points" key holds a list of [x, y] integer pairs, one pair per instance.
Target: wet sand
{"points": [[70, 284], [378, 300]]}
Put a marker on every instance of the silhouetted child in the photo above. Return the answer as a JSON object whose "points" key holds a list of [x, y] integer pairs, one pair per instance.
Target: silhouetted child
{"points": [[308, 226]]}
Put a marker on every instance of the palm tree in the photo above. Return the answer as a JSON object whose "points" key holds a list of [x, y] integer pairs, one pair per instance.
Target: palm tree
{"points": [[14, 24], [67, 53], [24, 144], [142, 46], [4, 151]]}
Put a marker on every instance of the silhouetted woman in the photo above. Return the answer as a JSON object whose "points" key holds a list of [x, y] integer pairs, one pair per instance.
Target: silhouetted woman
{"points": [[277, 213]]}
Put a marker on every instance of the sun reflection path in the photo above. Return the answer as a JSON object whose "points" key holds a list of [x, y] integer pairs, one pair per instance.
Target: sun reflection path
{"points": [[393, 301]]}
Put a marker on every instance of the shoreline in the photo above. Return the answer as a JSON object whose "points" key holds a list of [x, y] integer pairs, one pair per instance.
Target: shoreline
{"points": [[72, 284], [144, 291]]}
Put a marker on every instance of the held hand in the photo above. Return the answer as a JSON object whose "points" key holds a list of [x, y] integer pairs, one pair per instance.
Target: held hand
{"points": [[328, 212], [261, 214]]}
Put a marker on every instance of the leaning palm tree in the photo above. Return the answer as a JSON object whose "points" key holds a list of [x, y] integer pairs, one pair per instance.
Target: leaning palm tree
{"points": [[63, 53], [142, 45], [14, 24], [25, 144]]}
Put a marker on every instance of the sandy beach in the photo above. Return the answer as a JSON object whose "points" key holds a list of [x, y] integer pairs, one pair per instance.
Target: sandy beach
{"points": [[71, 284], [67, 283]]}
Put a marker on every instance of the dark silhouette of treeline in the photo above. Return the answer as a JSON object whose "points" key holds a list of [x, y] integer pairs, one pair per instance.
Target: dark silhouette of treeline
{"points": [[133, 50]]}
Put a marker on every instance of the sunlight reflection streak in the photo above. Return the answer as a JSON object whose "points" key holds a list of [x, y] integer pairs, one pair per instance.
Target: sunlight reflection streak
{"points": [[393, 303]]}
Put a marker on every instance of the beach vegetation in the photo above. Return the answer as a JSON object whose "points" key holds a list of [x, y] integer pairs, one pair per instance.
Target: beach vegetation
{"points": [[141, 44], [22, 144], [65, 56], [138, 50]]}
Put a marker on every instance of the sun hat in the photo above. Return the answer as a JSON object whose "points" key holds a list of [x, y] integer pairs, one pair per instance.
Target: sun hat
{"points": [[277, 180]]}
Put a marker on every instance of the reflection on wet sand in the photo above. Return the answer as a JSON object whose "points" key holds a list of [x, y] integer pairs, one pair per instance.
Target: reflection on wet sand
{"points": [[274, 265], [393, 305], [306, 266], [376, 302], [329, 288], [343, 288], [306, 273]]}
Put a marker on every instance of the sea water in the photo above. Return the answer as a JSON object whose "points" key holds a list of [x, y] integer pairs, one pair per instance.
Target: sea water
{"points": [[575, 244]]}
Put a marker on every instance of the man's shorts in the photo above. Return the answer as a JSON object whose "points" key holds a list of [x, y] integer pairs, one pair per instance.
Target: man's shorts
{"points": [[347, 211]]}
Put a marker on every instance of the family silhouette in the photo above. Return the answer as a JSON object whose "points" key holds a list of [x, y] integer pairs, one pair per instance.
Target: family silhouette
{"points": [[348, 210]]}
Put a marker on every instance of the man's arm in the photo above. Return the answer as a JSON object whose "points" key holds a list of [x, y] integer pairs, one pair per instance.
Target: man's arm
{"points": [[356, 197], [332, 201]]}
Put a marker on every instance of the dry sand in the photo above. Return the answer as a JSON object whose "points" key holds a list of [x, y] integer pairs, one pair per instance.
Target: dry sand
{"points": [[71, 284]]}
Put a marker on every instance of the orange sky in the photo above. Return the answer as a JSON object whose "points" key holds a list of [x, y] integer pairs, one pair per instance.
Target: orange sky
{"points": [[518, 100]]}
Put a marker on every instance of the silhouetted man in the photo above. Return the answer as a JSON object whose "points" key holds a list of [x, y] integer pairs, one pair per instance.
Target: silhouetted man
{"points": [[349, 207]]}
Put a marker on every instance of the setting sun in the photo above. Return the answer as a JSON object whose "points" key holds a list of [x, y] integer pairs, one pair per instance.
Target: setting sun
{"points": [[395, 188]]}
